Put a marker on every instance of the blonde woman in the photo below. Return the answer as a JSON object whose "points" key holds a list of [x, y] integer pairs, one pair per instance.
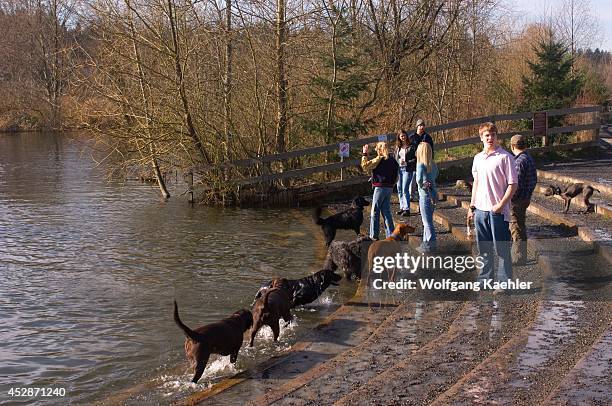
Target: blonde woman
{"points": [[426, 174], [384, 175]]}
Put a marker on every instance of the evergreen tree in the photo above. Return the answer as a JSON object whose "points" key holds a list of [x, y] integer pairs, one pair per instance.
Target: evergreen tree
{"points": [[339, 85], [552, 84]]}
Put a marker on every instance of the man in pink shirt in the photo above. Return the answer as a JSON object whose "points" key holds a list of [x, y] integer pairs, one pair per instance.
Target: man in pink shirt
{"points": [[495, 181]]}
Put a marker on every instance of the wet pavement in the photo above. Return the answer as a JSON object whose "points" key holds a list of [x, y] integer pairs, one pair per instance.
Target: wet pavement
{"points": [[594, 167]]}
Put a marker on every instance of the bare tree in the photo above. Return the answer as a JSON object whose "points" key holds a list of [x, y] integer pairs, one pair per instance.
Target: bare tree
{"points": [[576, 26]]}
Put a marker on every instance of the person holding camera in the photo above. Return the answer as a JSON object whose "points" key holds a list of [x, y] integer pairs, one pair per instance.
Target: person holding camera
{"points": [[384, 176]]}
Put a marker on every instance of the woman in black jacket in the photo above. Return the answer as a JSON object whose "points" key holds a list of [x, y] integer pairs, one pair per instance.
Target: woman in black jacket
{"points": [[384, 175]]}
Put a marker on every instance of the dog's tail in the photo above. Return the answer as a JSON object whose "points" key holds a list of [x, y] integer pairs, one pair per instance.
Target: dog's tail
{"points": [[316, 215], [188, 332]]}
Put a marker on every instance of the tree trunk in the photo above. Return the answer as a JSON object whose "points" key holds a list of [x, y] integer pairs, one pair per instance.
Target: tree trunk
{"points": [[227, 80], [193, 134], [281, 83], [146, 103]]}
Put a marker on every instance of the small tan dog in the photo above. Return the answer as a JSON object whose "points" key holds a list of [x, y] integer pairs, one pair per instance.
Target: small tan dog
{"points": [[390, 246]]}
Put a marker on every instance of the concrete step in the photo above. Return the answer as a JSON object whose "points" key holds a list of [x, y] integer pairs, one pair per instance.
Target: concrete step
{"points": [[411, 327], [528, 367], [589, 381], [480, 330]]}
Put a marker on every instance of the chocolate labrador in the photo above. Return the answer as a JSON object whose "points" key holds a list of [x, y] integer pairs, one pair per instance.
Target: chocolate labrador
{"points": [[223, 337], [269, 309]]}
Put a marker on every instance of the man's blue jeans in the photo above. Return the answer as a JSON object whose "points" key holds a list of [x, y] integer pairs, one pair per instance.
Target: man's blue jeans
{"points": [[429, 231], [403, 188], [493, 237], [381, 202]]}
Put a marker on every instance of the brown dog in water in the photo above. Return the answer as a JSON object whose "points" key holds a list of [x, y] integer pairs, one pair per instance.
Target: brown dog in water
{"points": [[273, 305], [223, 337]]}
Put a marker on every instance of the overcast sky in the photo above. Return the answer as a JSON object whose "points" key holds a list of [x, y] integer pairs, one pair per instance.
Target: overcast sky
{"points": [[534, 10]]}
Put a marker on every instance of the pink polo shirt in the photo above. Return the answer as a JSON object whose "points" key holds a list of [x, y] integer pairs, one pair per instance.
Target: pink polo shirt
{"points": [[494, 172]]}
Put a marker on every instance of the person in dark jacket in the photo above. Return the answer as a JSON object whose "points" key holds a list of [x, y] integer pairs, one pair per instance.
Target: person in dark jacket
{"points": [[405, 155], [384, 175], [416, 137], [527, 179]]}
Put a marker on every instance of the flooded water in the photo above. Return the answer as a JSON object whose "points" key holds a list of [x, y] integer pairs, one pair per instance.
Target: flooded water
{"points": [[89, 270]]}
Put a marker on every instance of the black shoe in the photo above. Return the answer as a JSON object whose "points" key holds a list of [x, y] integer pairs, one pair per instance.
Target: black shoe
{"points": [[400, 212], [406, 213]]}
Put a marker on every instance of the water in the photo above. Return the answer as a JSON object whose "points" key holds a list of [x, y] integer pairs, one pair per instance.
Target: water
{"points": [[89, 269]]}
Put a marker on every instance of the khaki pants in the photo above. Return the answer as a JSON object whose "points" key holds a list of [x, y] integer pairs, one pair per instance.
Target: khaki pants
{"points": [[518, 229]]}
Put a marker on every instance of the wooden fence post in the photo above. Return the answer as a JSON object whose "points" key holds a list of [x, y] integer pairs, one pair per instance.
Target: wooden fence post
{"points": [[190, 185]]}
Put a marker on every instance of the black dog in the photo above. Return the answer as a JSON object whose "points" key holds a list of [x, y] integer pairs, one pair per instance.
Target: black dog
{"points": [[305, 290], [346, 255], [223, 337], [572, 191], [349, 219]]}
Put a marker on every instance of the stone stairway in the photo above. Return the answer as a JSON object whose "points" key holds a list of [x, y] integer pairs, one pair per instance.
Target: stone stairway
{"points": [[517, 349]]}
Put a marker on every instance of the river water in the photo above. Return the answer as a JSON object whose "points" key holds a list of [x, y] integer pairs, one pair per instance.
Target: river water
{"points": [[89, 269]]}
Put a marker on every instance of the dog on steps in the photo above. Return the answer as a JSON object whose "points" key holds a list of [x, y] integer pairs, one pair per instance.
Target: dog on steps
{"points": [[572, 191], [349, 219], [346, 256], [390, 246]]}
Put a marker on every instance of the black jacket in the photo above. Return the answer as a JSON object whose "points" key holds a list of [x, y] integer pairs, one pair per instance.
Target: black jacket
{"points": [[425, 137], [385, 173]]}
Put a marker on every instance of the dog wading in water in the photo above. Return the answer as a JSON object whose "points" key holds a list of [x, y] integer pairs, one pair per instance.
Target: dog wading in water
{"points": [[223, 337]]}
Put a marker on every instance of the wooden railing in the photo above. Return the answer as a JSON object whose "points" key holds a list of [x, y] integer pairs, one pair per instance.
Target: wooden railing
{"points": [[332, 167]]}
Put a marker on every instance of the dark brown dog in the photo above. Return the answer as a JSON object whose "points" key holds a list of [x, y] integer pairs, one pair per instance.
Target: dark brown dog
{"points": [[572, 191], [223, 337], [269, 309]]}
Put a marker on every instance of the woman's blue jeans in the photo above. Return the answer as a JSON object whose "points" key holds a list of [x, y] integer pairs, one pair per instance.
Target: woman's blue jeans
{"points": [[429, 231], [381, 202], [493, 237], [403, 188]]}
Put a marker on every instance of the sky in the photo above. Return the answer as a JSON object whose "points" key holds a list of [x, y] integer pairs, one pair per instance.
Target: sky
{"points": [[534, 10]]}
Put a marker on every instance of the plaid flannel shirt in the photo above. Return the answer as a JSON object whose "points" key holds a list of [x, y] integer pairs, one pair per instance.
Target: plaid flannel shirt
{"points": [[527, 176]]}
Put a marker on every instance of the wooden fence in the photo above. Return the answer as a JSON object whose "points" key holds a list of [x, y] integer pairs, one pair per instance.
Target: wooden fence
{"points": [[592, 124]]}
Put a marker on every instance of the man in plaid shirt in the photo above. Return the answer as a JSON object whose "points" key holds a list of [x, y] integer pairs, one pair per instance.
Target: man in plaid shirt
{"points": [[527, 179]]}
